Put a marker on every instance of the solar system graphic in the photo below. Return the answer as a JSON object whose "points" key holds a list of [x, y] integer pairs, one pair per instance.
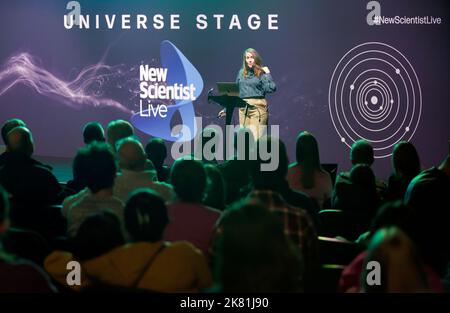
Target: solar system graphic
{"points": [[375, 95]]}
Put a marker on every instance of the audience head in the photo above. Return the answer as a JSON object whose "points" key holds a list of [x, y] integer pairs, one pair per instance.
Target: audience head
{"points": [[362, 175], [98, 234], [429, 189], [427, 195], [361, 153], [392, 214], [93, 131], [405, 160], [20, 141], [131, 155], [215, 188], [307, 153], [145, 216], [10, 125], [188, 178], [156, 151], [254, 254], [401, 268], [4, 210], [96, 166], [363, 199], [117, 130], [278, 157]]}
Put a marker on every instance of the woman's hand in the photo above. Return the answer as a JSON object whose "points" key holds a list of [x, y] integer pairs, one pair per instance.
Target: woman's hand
{"points": [[266, 70]]}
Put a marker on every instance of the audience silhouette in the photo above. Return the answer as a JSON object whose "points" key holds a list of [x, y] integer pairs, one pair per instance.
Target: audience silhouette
{"points": [[136, 224]]}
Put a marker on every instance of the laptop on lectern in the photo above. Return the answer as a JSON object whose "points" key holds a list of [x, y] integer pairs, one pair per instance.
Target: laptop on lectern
{"points": [[228, 88]]}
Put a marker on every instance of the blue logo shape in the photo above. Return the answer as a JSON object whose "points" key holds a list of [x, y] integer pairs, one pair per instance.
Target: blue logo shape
{"points": [[179, 71]]}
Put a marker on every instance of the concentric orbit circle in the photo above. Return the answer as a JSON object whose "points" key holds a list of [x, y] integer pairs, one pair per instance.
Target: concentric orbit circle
{"points": [[383, 97], [407, 107], [407, 97], [385, 91], [407, 101], [368, 91], [362, 94], [380, 85], [383, 86]]}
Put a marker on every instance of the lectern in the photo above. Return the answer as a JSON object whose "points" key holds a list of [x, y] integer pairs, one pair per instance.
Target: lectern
{"points": [[228, 103]]}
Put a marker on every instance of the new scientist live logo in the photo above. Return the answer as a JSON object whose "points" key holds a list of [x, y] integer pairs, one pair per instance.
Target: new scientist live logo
{"points": [[177, 81]]}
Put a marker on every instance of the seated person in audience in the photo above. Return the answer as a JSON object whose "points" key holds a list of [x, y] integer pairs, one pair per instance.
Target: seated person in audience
{"points": [[23, 177], [157, 152], [190, 220], [98, 169], [134, 174], [77, 184], [148, 263], [98, 234], [18, 276], [7, 127], [93, 131], [358, 198], [33, 188], [362, 153], [254, 255], [118, 129], [406, 165], [296, 210], [401, 267], [392, 214], [215, 188], [276, 180], [236, 170], [428, 196], [306, 174], [298, 227]]}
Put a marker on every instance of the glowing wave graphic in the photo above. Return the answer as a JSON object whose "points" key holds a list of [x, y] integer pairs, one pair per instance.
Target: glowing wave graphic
{"points": [[83, 91]]}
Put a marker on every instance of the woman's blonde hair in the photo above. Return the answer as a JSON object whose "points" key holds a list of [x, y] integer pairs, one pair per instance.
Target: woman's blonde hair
{"points": [[257, 65]]}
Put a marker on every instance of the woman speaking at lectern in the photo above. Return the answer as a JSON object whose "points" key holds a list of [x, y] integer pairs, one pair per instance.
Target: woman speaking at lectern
{"points": [[254, 82]]}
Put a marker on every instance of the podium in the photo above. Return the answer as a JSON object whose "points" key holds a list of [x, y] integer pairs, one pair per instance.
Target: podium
{"points": [[228, 103]]}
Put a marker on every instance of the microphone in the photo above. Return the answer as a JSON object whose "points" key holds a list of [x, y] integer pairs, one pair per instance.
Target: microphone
{"points": [[210, 94]]}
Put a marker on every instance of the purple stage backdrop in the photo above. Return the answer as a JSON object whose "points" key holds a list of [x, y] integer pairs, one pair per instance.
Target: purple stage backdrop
{"points": [[337, 75]]}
